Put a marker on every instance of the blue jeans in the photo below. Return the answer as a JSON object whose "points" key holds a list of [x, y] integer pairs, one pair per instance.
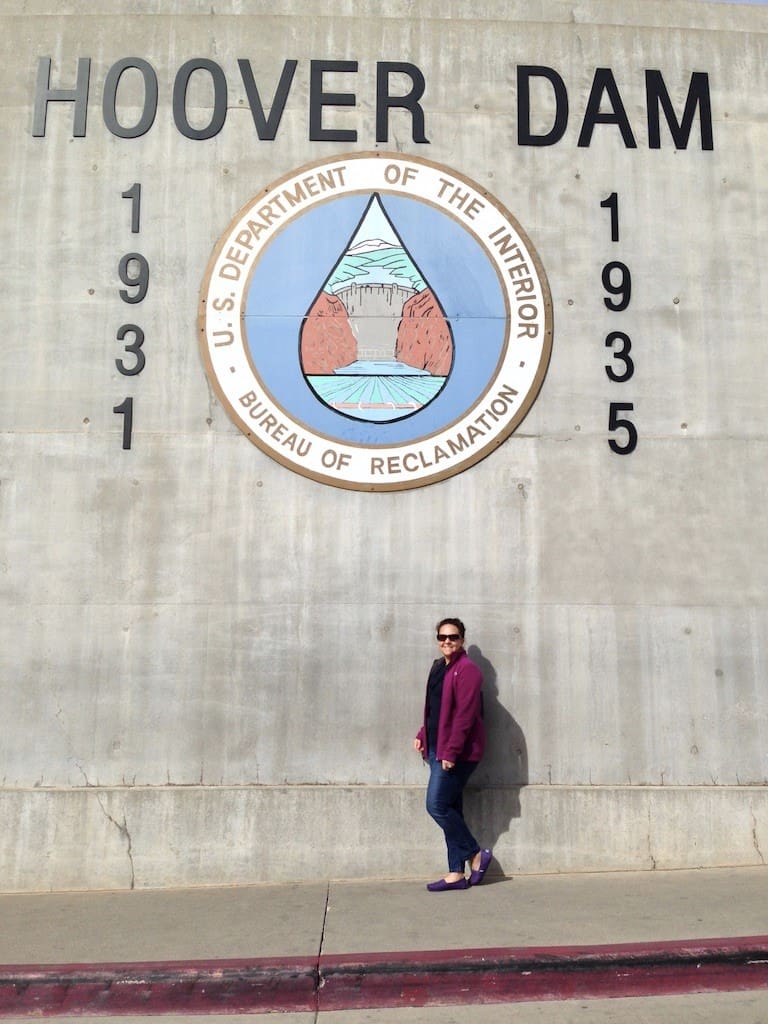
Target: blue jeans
{"points": [[445, 805]]}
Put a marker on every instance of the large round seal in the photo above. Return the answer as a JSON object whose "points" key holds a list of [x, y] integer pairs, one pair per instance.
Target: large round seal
{"points": [[376, 322]]}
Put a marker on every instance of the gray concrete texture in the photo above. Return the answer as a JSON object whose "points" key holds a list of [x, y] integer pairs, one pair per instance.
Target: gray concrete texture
{"points": [[324, 919], [333, 918], [736, 1007], [211, 666]]}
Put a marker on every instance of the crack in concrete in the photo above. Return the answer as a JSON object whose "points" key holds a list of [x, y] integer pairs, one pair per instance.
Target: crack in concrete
{"points": [[755, 841], [123, 830], [650, 841], [80, 768], [325, 920], [319, 978]]}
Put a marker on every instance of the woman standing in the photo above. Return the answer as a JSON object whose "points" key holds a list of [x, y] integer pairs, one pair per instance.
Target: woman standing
{"points": [[451, 741]]}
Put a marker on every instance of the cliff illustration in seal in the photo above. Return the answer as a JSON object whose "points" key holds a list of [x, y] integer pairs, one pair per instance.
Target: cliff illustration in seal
{"points": [[375, 343]]}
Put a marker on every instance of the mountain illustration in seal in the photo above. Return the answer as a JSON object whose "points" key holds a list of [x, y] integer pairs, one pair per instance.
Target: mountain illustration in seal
{"points": [[375, 343]]}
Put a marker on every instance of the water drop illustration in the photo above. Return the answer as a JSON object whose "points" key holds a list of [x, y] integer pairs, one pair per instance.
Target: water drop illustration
{"points": [[375, 344]]}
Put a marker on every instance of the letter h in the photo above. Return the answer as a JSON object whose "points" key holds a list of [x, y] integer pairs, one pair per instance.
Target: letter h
{"points": [[45, 95]]}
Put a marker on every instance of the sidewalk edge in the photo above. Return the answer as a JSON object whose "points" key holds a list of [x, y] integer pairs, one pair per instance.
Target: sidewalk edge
{"points": [[380, 980]]}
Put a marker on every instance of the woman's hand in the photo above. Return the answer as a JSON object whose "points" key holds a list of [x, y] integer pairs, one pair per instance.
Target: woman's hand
{"points": [[418, 746], [447, 765]]}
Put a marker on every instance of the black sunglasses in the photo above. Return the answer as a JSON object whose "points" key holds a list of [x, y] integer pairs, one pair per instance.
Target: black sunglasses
{"points": [[453, 637]]}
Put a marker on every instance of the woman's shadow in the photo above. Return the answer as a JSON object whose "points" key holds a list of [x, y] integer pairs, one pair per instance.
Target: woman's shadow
{"points": [[493, 794]]}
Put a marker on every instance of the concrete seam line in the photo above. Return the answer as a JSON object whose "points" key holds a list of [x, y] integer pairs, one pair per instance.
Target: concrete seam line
{"points": [[318, 979], [325, 919]]}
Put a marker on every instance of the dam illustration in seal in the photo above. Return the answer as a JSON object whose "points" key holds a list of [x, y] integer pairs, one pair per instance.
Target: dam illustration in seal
{"points": [[375, 344]]}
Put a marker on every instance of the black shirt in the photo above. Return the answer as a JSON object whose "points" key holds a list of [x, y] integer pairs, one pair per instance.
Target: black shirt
{"points": [[434, 697]]}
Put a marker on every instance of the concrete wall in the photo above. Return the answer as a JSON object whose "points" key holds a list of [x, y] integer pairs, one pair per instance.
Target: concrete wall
{"points": [[212, 667]]}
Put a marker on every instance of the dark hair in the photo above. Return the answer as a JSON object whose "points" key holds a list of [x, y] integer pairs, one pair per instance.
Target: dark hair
{"points": [[451, 622]]}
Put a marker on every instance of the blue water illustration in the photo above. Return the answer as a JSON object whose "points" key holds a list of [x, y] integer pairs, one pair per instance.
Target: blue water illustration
{"points": [[377, 391]]}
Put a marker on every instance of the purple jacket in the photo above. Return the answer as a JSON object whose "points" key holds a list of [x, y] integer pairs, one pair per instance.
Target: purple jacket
{"points": [[461, 730]]}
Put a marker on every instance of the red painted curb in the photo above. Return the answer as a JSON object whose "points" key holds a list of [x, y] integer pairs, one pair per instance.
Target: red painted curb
{"points": [[381, 980], [538, 973], [194, 987]]}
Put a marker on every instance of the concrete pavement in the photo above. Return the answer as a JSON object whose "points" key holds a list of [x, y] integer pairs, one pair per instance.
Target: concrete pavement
{"points": [[733, 1007], [374, 949]]}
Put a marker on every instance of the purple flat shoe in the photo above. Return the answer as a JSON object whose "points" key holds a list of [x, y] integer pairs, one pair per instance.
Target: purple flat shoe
{"points": [[486, 856], [442, 886]]}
